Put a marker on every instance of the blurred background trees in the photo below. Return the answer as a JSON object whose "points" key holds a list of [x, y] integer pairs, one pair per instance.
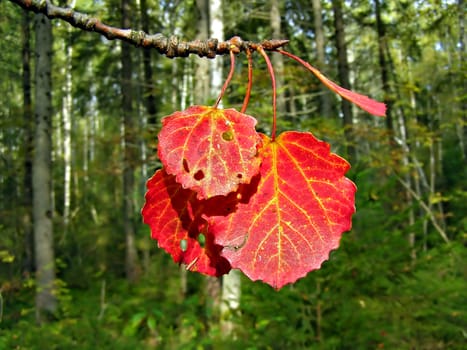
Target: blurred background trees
{"points": [[397, 281]]}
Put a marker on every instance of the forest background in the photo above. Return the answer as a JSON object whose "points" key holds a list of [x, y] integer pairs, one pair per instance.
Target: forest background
{"points": [[398, 280]]}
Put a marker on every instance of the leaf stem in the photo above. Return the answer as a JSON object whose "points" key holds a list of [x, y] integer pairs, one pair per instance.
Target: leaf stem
{"points": [[274, 92], [228, 79], [246, 100]]}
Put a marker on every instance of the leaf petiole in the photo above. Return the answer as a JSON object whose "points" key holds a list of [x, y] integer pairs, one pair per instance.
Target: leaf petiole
{"points": [[246, 100], [274, 93], [228, 79]]}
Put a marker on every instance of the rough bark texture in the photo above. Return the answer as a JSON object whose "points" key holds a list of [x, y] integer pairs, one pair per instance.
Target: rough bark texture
{"points": [[46, 301], [344, 75], [129, 145]]}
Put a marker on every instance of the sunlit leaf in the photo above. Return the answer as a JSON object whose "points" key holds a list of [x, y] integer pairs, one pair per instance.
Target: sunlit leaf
{"points": [[210, 151], [294, 216], [364, 102]]}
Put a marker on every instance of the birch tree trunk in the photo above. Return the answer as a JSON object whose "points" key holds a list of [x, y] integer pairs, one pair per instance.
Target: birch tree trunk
{"points": [[66, 122], [344, 76], [129, 156], [216, 30], [202, 81], [46, 300], [214, 84], [231, 287]]}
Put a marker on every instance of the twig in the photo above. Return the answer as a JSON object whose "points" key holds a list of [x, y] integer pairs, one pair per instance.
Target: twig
{"points": [[169, 46], [427, 209]]}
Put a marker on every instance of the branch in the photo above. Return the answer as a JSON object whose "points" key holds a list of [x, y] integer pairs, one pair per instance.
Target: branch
{"points": [[427, 209], [168, 46]]}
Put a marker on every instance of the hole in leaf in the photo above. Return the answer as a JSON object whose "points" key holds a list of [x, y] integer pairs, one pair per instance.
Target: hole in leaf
{"points": [[201, 240], [185, 165], [199, 175], [183, 245], [239, 176], [227, 135]]}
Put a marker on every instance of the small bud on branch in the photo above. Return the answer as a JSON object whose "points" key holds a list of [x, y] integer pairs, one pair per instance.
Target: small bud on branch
{"points": [[169, 46]]}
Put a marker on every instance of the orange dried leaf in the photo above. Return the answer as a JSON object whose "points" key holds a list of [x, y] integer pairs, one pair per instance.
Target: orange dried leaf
{"points": [[294, 216], [209, 150]]}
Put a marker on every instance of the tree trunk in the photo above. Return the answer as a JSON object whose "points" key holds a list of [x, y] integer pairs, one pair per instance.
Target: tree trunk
{"points": [[66, 122], [46, 300], [202, 81], [200, 93], [129, 148], [381, 30], [278, 60], [149, 91], [231, 293], [344, 76], [215, 30], [150, 122], [28, 264], [226, 294], [325, 98], [462, 130]]}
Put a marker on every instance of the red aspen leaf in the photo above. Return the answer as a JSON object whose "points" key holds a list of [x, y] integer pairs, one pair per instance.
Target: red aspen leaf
{"points": [[210, 151], [294, 216], [364, 102], [174, 215]]}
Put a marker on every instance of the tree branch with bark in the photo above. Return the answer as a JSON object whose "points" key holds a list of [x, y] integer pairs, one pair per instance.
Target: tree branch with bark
{"points": [[170, 46]]}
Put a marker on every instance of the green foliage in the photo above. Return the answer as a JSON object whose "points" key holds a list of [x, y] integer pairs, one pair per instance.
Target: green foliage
{"points": [[395, 303]]}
